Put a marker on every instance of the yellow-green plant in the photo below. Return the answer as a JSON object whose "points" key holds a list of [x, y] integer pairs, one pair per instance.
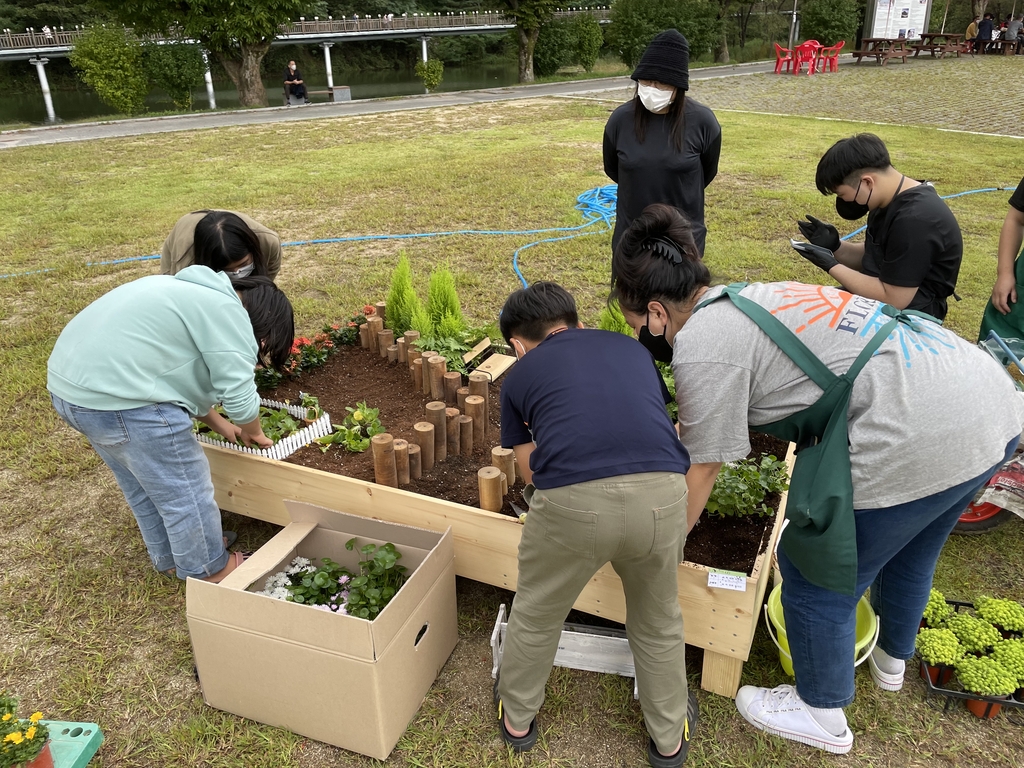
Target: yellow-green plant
{"points": [[443, 304], [21, 740], [976, 635], [985, 676], [939, 646], [611, 319], [1005, 614], [1010, 653], [402, 301], [937, 609]]}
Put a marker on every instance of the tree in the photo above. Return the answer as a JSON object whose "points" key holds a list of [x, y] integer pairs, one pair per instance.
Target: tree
{"points": [[238, 34], [175, 67], [530, 16], [111, 62], [556, 47], [18, 15], [431, 72], [829, 21], [634, 23], [589, 40]]}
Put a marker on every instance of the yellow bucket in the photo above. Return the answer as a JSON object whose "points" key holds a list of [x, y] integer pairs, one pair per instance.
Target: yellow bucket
{"points": [[867, 629]]}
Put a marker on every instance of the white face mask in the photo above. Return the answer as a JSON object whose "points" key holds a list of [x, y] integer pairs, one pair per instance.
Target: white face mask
{"points": [[240, 273], [653, 98]]}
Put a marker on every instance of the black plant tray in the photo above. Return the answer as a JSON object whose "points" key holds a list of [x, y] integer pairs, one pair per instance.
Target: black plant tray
{"points": [[1010, 703]]}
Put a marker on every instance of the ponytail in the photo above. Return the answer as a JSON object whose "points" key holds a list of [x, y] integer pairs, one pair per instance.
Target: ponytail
{"points": [[657, 260]]}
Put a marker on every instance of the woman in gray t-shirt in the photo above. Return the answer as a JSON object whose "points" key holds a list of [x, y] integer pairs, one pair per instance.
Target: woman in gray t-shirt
{"points": [[923, 391]]}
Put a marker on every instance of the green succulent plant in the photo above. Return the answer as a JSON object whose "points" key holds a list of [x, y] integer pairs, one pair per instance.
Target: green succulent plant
{"points": [[939, 646], [976, 635], [937, 610], [1007, 614], [985, 676], [1010, 653]]}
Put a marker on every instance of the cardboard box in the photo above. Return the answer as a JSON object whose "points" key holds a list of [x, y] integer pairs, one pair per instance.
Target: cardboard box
{"points": [[345, 681]]}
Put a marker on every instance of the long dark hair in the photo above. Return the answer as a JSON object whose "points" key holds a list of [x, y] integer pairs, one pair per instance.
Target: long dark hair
{"points": [[641, 274], [675, 115], [222, 238], [270, 312]]}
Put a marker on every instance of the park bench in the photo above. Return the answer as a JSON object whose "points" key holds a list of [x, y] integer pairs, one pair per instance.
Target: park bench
{"points": [[881, 49], [337, 93]]}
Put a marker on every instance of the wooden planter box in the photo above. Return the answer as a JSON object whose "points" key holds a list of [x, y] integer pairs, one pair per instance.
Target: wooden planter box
{"points": [[721, 621]]}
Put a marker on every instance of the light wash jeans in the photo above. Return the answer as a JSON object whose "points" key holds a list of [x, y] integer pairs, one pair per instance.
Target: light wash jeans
{"points": [[165, 478], [897, 550]]}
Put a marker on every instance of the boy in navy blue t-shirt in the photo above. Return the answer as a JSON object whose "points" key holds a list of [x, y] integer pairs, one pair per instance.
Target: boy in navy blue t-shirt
{"points": [[584, 412]]}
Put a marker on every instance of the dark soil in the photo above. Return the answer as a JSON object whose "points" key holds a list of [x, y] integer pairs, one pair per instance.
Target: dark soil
{"points": [[353, 374]]}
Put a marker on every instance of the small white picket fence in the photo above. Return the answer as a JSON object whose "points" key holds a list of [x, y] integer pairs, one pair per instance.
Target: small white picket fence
{"points": [[286, 446]]}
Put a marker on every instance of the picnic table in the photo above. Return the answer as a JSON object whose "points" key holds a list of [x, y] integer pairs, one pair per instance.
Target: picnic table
{"points": [[881, 49], [940, 42]]}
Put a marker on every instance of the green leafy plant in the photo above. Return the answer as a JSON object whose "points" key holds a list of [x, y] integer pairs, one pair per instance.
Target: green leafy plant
{"points": [[452, 348], [976, 635], [1005, 614], [110, 62], [402, 299], [443, 303], [316, 586], [939, 646], [431, 72], [21, 740], [611, 319], [420, 321], [379, 579], [937, 609], [665, 369], [829, 21], [277, 423], [589, 40], [1010, 653], [354, 433], [985, 676], [312, 406], [742, 485], [175, 67]]}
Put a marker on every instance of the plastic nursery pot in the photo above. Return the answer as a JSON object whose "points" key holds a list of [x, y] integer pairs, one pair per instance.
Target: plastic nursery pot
{"points": [[43, 760], [1019, 695], [986, 710], [939, 674]]}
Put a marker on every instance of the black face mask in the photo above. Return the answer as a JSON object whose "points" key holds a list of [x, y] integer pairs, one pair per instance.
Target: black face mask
{"points": [[658, 346], [851, 210]]}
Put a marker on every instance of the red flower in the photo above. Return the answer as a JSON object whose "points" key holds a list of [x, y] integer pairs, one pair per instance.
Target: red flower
{"points": [[369, 309], [335, 326], [352, 325]]}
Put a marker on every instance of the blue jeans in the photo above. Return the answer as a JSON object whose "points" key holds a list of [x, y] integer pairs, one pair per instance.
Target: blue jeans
{"points": [[897, 550], [165, 478]]}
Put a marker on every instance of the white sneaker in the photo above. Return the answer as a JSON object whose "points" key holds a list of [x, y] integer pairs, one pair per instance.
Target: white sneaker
{"points": [[781, 711], [884, 680]]}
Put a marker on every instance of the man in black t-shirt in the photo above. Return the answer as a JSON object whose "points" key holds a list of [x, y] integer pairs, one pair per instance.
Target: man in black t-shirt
{"points": [[1004, 314], [584, 413], [911, 254], [294, 84]]}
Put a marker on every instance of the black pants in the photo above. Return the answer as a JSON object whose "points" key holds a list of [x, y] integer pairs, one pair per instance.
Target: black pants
{"points": [[297, 89]]}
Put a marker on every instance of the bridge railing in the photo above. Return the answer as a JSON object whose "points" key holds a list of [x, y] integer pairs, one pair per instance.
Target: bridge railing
{"points": [[66, 38]]}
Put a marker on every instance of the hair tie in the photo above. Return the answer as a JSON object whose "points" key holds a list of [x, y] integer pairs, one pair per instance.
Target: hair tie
{"points": [[663, 247]]}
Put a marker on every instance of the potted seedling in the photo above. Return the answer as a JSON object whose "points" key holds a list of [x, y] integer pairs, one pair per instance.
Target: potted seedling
{"points": [[937, 610], [23, 743], [1010, 653], [311, 406], [976, 635], [985, 676], [940, 650], [1005, 615]]}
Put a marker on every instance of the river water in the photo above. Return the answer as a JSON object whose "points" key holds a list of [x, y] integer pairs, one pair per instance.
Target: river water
{"points": [[78, 105]]}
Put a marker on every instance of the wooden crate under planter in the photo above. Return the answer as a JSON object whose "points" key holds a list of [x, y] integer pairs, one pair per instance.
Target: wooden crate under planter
{"points": [[721, 621]]}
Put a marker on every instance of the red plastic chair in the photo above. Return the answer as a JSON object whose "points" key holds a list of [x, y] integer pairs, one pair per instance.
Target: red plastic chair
{"points": [[806, 52], [782, 56], [828, 58]]}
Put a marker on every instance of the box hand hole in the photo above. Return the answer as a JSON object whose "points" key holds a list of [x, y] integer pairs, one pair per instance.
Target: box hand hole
{"points": [[421, 633]]}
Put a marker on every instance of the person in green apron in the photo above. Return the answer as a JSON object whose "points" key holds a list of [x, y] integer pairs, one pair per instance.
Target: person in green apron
{"points": [[1003, 314], [873, 397]]}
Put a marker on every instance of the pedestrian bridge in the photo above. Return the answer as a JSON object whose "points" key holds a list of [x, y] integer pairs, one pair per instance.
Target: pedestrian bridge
{"points": [[32, 44]]}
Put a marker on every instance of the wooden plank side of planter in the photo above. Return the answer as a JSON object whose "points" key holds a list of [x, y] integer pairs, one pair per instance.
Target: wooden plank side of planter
{"points": [[486, 548]]}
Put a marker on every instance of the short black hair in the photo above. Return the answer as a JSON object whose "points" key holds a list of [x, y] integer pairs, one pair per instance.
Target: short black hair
{"points": [[270, 312], [530, 312], [642, 273], [849, 157], [222, 238]]}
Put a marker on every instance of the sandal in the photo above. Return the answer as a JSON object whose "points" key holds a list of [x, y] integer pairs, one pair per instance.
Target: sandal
{"points": [[230, 537], [522, 743], [658, 760], [237, 558]]}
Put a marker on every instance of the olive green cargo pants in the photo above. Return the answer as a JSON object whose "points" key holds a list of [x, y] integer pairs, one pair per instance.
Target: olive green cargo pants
{"points": [[636, 522]]}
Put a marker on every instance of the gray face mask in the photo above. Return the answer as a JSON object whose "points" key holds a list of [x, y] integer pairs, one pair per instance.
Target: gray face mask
{"points": [[240, 273]]}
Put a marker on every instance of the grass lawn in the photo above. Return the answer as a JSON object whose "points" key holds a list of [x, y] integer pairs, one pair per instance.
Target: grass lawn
{"points": [[90, 632]]}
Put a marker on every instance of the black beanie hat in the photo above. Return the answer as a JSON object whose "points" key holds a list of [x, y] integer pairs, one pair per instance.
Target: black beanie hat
{"points": [[667, 60]]}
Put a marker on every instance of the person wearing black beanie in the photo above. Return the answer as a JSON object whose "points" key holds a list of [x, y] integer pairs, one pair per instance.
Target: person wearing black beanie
{"points": [[662, 147]]}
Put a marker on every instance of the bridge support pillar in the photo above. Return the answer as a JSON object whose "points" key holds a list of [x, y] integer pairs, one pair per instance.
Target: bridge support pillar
{"points": [[423, 46], [330, 72], [40, 64], [209, 82]]}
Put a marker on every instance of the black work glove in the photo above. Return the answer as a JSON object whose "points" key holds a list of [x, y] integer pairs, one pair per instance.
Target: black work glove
{"points": [[820, 233], [820, 257]]}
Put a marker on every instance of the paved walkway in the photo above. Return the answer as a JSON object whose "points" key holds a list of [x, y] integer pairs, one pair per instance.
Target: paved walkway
{"points": [[198, 120]]}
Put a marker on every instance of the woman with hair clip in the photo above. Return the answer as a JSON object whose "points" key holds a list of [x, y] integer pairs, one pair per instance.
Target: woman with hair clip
{"points": [[224, 241], [859, 387], [132, 370], [662, 147]]}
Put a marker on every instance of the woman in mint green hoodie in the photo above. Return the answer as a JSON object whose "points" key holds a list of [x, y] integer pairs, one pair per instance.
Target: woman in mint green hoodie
{"points": [[132, 369]]}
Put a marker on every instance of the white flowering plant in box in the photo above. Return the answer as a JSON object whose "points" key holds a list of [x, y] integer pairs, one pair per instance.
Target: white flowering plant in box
{"points": [[332, 587]]}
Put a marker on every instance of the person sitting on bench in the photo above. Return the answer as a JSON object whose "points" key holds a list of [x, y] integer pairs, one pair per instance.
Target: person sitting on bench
{"points": [[294, 85]]}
